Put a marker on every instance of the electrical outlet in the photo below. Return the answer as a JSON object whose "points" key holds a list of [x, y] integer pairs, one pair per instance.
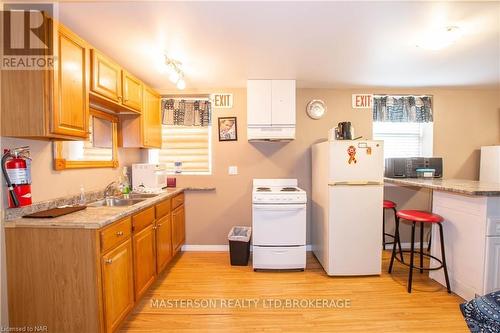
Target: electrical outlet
{"points": [[232, 170]]}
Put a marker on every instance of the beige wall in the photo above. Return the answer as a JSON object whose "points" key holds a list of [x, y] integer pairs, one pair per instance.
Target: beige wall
{"points": [[464, 121], [49, 184]]}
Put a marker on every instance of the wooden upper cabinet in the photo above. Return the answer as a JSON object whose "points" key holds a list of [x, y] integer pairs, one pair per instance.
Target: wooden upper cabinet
{"points": [[132, 91], [106, 77], [118, 285], [49, 103], [70, 114], [113, 87], [151, 117]]}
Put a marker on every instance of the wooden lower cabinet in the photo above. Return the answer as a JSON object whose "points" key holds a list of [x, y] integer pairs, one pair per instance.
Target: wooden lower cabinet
{"points": [[117, 285], [163, 243], [178, 228], [87, 280], [144, 260]]}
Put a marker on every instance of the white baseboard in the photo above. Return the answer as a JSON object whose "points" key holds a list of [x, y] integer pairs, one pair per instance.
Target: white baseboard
{"points": [[205, 248], [213, 248]]}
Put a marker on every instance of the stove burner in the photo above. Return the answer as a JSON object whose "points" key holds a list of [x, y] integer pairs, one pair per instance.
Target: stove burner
{"points": [[263, 189], [289, 189]]}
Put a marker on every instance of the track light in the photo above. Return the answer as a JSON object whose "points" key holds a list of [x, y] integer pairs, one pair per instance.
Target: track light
{"points": [[176, 73], [181, 84]]}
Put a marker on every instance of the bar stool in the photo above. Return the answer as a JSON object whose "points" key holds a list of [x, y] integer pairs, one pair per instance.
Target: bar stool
{"points": [[422, 217], [388, 204]]}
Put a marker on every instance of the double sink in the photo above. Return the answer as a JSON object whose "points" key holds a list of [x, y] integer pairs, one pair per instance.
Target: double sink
{"points": [[132, 199]]}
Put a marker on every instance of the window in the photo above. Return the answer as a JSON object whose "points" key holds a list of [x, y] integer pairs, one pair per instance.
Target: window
{"points": [[190, 145], [404, 123], [404, 139]]}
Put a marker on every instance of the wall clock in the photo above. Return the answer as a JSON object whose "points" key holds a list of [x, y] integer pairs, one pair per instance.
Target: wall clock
{"points": [[316, 109]]}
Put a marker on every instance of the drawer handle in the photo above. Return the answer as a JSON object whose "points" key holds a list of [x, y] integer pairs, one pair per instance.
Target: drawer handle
{"points": [[109, 261], [119, 233]]}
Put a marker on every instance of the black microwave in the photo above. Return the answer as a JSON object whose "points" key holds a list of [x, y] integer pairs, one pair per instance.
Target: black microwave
{"points": [[406, 167]]}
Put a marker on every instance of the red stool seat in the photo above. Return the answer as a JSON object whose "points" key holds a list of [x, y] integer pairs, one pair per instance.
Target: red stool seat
{"points": [[389, 204], [419, 216]]}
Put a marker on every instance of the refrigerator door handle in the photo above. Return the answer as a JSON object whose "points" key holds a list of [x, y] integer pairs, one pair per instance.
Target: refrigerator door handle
{"points": [[355, 183]]}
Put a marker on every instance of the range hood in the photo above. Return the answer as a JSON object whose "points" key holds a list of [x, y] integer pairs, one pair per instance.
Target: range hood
{"points": [[271, 110]]}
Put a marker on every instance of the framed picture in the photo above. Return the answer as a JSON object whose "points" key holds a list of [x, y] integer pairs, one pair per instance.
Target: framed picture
{"points": [[227, 129]]}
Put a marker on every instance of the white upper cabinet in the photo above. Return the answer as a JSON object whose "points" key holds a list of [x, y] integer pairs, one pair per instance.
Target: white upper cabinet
{"points": [[259, 102], [283, 102], [271, 109]]}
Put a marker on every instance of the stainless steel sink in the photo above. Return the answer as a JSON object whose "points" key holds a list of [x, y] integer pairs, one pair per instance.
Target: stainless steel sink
{"points": [[115, 202], [142, 195]]}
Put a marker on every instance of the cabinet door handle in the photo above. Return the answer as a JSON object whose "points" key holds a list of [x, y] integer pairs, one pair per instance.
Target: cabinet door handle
{"points": [[119, 233], [108, 261]]}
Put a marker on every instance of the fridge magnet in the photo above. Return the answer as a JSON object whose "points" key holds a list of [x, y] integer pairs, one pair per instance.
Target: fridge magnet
{"points": [[227, 129], [351, 151]]}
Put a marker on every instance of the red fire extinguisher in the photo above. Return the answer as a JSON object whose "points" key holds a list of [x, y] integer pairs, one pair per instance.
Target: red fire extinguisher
{"points": [[16, 169]]}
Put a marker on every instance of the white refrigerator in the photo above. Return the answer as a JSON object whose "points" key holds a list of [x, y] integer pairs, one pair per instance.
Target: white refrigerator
{"points": [[347, 197]]}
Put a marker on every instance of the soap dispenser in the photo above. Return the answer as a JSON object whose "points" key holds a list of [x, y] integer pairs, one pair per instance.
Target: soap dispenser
{"points": [[82, 200]]}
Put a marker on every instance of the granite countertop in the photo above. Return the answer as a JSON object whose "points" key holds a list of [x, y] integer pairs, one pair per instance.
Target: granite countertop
{"points": [[95, 217], [460, 186]]}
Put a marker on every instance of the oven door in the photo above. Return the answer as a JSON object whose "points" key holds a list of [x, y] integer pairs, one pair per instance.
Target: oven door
{"points": [[279, 224]]}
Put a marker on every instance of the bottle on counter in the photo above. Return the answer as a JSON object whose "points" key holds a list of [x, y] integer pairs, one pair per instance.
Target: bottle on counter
{"points": [[124, 182], [82, 200]]}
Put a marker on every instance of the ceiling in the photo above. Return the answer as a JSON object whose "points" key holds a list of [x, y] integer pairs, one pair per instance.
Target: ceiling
{"points": [[327, 44]]}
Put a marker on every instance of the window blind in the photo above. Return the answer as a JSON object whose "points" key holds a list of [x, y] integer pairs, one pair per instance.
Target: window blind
{"points": [[400, 139], [187, 144]]}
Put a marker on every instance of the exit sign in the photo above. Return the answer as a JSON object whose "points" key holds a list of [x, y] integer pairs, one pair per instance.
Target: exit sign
{"points": [[362, 101], [223, 101]]}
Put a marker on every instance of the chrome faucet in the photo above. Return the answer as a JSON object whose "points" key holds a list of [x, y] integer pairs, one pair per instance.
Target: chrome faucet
{"points": [[109, 187]]}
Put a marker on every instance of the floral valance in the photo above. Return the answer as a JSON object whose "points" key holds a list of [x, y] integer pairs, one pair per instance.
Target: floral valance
{"points": [[185, 112], [416, 109]]}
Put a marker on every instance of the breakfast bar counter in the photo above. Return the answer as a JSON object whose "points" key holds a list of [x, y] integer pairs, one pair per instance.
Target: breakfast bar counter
{"points": [[471, 212], [459, 186]]}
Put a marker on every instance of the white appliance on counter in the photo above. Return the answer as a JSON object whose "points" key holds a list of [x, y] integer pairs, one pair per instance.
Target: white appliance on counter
{"points": [[271, 110], [490, 164], [279, 224], [149, 177], [347, 195]]}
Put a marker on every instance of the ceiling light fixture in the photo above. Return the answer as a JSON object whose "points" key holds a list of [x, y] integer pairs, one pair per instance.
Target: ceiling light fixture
{"points": [[441, 38], [181, 84], [176, 73]]}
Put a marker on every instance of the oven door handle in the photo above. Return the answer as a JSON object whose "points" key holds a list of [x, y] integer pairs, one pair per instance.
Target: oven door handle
{"points": [[282, 207]]}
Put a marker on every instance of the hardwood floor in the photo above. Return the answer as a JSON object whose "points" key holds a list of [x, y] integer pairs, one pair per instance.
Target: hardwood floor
{"points": [[378, 304]]}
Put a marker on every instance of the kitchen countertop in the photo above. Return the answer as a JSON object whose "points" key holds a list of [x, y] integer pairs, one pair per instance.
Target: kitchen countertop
{"points": [[94, 217], [460, 186]]}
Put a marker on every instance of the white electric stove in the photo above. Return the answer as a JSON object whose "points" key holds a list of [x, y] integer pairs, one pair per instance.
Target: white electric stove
{"points": [[279, 224]]}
